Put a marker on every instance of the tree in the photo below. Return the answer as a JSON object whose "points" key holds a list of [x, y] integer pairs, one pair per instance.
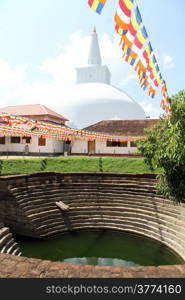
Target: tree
{"points": [[164, 147]]}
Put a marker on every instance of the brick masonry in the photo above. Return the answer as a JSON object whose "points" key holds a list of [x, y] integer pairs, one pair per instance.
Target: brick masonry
{"points": [[22, 267]]}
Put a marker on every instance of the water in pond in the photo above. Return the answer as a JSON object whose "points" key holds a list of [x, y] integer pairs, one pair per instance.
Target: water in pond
{"points": [[100, 248]]}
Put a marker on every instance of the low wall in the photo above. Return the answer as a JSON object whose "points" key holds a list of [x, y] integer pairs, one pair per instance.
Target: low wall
{"points": [[23, 267], [125, 202]]}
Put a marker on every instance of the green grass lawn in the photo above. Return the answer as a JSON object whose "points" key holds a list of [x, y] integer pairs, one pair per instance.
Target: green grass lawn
{"points": [[73, 164]]}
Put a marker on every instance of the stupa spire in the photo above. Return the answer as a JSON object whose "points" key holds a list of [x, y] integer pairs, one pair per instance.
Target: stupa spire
{"points": [[94, 57], [94, 71]]}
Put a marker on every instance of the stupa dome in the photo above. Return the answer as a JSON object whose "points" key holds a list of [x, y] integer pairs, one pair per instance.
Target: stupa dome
{"points": [[94, 99], [92, 102]]}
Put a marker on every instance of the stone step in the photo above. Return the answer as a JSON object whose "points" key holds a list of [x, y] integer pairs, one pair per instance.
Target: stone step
{"points": [[151, 223], [36, 203], [123, 209], [72, 195], [43, 213], [41, 216], [107, 202], [7, 245], [33, 209], [103, 226], [4, 231], [44, 228], [17, 252], [98, 185], [116, 221], [5, 239], [77, 181], [122, 205], [13, 247], [129, 213]]}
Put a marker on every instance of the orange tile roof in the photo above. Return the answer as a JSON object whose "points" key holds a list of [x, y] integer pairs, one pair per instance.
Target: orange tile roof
{"points": [[122, 127], [32, 110]]}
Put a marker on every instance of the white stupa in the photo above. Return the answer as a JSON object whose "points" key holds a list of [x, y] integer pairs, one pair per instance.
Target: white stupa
{"points": [[94, 99]]}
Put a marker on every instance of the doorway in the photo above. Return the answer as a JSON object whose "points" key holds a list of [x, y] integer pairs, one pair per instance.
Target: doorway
{"points": [[91, 147]]}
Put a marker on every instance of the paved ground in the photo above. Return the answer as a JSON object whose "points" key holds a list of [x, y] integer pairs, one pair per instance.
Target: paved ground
{"points": [[22, 267]]}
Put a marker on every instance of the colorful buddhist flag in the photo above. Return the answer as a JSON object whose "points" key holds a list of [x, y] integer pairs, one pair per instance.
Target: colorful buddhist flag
{"points": [[127, 44], [126, 6], [122, 16], [144, 82], [97, 5], [165, 104], [154, 59], [141, 38], [121, 25], [138, 16], [140, 68], [164, 88], [135, 21], [152, 92], [147, 52], [131, 57]]}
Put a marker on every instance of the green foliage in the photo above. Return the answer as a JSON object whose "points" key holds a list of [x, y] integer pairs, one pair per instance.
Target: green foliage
{"points": [[1, 165], [164, 147], [43, 164], [100, 164]]}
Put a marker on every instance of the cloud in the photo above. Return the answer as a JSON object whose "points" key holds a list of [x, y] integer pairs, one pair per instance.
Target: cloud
{"points": [[62, 67], [11, 76], [168, 62], [150, 109]]}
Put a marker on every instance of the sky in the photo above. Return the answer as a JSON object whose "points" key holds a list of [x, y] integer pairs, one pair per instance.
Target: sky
{"points": [[42, 41]]}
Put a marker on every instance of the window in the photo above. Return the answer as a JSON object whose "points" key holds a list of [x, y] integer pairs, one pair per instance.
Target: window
{"points": [[2, 140], [15, 139], [41, 141], [27, 139], [116, 144], [133, 144]]}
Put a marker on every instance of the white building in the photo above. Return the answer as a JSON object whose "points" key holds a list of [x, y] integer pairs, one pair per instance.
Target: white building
{"points": [[126, 128], [15, 145], [94, 99]]}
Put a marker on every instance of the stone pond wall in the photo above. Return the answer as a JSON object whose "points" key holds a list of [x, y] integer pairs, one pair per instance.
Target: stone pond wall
{"points": [[23, 267], [126, 202]]}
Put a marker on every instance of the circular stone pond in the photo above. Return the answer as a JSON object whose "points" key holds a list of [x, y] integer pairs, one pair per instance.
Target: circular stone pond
{"points": [[103, 248]]}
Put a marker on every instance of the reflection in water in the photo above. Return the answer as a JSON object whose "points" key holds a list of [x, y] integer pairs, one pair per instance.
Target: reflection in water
{"points": [[100, 248], [100, 261]]}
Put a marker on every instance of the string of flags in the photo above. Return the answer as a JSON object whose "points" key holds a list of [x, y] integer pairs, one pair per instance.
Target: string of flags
{"points": [[11, 125], [136, 47]]}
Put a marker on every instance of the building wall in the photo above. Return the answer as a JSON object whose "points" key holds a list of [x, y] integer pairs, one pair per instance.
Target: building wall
{"points": [[81, 146], [101, 147], [52, 146], [93, 74]]}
